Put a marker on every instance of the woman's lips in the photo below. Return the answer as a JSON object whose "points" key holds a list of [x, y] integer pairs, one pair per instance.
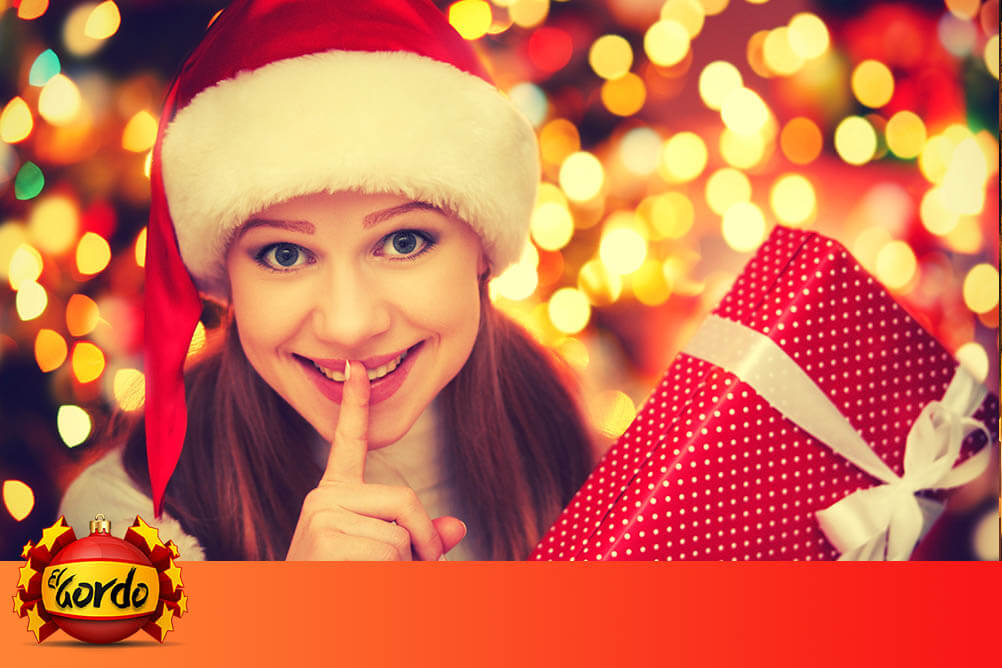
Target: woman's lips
{"points": [[378, 389]]}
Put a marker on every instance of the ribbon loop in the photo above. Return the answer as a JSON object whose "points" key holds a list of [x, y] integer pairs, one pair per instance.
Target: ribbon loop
{"points": [[881, 522]]}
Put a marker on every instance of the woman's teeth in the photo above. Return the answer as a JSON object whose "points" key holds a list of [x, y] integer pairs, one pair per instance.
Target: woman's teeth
{"points": [[374, 374]]}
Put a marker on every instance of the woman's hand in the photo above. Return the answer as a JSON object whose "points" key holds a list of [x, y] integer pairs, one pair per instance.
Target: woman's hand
{"points": [[345, 519]]}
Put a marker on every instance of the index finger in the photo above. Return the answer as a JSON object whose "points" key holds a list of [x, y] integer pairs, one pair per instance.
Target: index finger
{"points": [[346, 462]]}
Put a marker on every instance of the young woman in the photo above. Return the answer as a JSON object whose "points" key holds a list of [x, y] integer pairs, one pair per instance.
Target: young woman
{"points": [[344, 179]]}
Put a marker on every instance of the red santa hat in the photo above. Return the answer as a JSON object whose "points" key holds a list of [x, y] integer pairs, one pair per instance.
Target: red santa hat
{"points": [[284, 98]]}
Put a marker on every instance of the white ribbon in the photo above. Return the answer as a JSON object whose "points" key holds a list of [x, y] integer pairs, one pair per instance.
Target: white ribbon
{"points": [[882, 522]]}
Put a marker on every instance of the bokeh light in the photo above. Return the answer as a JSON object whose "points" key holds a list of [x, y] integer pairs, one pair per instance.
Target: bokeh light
{"points": [[54, 224], [129, 388], [82, 315], [551, 226], [610, 56], [991, 55], [29, 181], [957, 36], [905, 134], [528, 13], [88, 362], [75, 37], [531, 101], [518, 281], [31, 300], [714, 7], [622, 250], [649, 284], [935, 216], [744, 112], [640, 150], [45, 67], [581, 176], [800, 140], [743, 227], [601, 286], [25, 266], [50, 350], [558, 139], [872, 83], [18, 499], [198, 339], [981, 288], [569, 310], [60, 101], [716, 81], [624, 96], [963, 184], [93, 254], [688, 13], [670, 215], [140, 248], [896, 265], [778, 53], [140, 132], [972, 356], [103, 21], [74, 425], [684, 156], [964, 9], [725, 187], [793, 199], [666, 43], [808, 36], [470, 18], [742, 151], [31, 9], [855, 140]]}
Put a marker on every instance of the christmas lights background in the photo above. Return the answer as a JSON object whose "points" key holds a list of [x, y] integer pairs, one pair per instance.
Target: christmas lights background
{"points": [[673, 134]]}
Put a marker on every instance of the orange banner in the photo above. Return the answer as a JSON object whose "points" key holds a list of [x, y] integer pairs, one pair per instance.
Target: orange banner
{"points": [[559, 614]]}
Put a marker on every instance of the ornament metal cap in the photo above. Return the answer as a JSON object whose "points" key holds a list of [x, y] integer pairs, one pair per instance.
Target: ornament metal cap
{"points": [[100, 525]]}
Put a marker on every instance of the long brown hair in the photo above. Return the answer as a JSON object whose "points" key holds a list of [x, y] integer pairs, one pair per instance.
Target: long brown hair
{"points": [[518, 445]]}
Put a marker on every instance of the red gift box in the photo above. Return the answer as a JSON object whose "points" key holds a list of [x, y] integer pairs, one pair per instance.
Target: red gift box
{"points": [[809, 418]]}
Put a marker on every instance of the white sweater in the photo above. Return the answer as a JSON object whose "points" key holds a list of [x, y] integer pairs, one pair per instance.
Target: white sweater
{"points": [[417, 460]]}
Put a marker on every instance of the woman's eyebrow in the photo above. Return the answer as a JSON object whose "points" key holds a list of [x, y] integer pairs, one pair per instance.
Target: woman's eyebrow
{"points": [[377, 217], [294, 225]]}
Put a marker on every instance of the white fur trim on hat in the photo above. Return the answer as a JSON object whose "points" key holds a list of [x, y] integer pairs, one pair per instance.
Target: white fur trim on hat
{"points": [[387, 122]]}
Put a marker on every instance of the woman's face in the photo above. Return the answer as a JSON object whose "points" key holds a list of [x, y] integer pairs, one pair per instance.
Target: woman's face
{"points": [[325, 278]]}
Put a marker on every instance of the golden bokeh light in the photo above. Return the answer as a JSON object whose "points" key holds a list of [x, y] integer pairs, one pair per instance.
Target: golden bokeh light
{"points": [[755, 55], [103, 21], [518, 281], [743, 227], [855, 140], [622, 249], [689, 13], [935, 157], [31, 9], [716, 81], [557, 140], [669, 215], [82, 315], [16, 122], [624, 96], [808, 35], [990, 148], [973, 357], [140, 248], [612, 412], [129, 388], [868, 243], [551, 226], [87, 361], [581, 176], [50, 350], [18, 499], [964, 9], [548, 192], [744, 112], [981, 288], [666, 43], [966, 236], [610, 56], [742, 151], [963, 184], [93, 254], [601, 286], [991, 55], [800, 140], [59, 103], [725, 187], [684, 156], [74, 425], [74, 31], [905, 134], [13, 234], [872, 83], [793, 200], [714, 7], [649, 284], [25, 266], [54, 223], [640, 150], [471, 18], [934, 214], [140, 132], [569, 310], [198, 339], [778, 53], [528, 13], [574, 353], [896, 265], [31, 300]]}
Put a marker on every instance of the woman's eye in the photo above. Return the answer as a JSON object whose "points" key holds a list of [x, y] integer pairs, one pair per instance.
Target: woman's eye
{"points": [[403, 244], [282, 256]]}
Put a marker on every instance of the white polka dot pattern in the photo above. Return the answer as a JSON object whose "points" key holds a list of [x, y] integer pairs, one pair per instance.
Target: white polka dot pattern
{"points": [[709, 470]]}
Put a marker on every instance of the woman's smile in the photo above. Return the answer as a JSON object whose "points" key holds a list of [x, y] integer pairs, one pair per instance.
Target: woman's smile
{"points": [[384, 380]]}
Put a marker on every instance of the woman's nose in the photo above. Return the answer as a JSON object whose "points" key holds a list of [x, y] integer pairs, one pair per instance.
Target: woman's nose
{"points": [[349, 310]]}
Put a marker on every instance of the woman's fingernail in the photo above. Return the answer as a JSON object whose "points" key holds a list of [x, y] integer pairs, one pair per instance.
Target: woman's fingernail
{"points": [[347, 371], [466, 530]]}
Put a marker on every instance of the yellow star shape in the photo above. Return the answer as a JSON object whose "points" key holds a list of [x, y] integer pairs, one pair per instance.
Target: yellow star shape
{"points": [[52, 533], [174, 575], [18, 605], [182, 604], [164, 622], [173, 549], [26, 549], [27, 572], [35, 622], [150, 535]]}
